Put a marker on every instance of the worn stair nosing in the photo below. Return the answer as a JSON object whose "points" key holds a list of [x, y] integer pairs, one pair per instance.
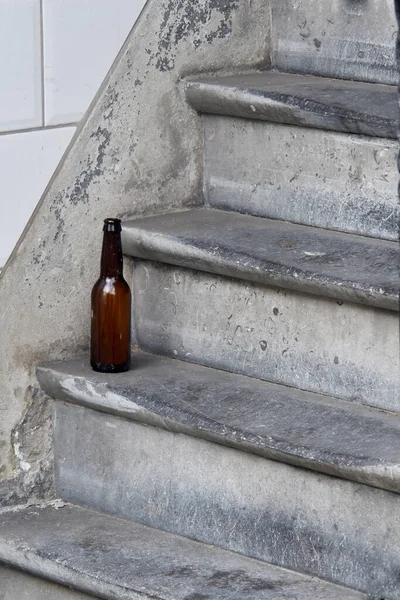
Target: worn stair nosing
{"points": [[297, 257], [290, 99], [121, 560], [148, 395]]}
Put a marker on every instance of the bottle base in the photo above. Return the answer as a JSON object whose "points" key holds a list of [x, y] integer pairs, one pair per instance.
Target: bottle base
{"points": [[110, 368]]}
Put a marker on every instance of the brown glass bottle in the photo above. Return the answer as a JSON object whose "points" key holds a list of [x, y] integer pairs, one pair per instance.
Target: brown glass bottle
{"points": [[111, 308]]}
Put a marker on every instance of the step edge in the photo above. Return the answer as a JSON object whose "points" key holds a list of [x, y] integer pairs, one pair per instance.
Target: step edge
{"points": [[382, 476], [26, 559], [29, 562], [159, 247], [215, 98]]}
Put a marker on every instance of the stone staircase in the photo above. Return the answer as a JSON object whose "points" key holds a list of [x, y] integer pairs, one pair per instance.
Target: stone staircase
{"points": [[253, 451]]}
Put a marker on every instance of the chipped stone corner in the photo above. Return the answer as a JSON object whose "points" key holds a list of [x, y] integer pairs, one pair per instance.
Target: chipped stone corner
{"points": [[32, 444]]}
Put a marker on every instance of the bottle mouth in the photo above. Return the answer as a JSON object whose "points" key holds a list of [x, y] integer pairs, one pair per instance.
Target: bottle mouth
{"points": [[112, 225]]}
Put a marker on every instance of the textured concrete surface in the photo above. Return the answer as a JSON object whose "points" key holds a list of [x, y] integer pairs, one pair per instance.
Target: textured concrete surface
{"points": [[351, 39], [296, 257], [119, 560], [348, 106], [31, 440], [324, 179], [341, 531], [318, 344], [320, 433], [17, 585], [137, 152]]}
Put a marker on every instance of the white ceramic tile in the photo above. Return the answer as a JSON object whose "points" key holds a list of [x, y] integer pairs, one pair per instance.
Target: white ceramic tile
{"points": [[20, 64], [27, 161], [81, 40]]}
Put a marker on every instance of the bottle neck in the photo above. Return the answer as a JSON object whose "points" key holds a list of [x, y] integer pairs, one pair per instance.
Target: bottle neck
{"points": [[111, 255]]}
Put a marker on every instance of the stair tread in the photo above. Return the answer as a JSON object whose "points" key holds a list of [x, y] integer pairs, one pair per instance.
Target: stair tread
{"points": [[298, 257], [120, 560], [325, 434], [305, 100]]}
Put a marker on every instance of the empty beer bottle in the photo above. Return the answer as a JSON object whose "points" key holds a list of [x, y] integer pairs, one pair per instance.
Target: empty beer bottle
{"points": [[111, 307]]}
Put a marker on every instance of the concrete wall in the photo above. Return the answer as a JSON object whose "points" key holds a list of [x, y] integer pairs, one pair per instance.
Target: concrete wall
{"points": [[345, 39], [138, 151], [54, 55]]}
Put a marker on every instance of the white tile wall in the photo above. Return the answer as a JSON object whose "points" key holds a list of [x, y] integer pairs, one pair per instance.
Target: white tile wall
{"points": [[27, 161], [81, 40], [20, 64], [54, 55]]}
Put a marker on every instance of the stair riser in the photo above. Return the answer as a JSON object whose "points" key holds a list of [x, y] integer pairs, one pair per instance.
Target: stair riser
{"points": [[308, 342], [302, 175], [16, 585], [346, 40], [341, 531]]}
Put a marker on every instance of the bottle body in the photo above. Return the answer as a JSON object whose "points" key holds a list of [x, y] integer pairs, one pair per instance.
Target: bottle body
{"points": [[111, 308]]}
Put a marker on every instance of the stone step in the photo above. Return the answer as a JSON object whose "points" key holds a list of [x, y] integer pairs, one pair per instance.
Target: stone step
{"points": [[316, 343], [18, 585], [339, 181], [113, 559], [348, 106], [323, 345], [288, 147], [300, 428], [296, 257], [349, 39], [180, 448]]}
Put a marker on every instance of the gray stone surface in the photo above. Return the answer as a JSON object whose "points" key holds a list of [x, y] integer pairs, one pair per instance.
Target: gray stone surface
{"points": [[300, 428], [351, 39], [138, 151], [119, 560], [324, 179], [31, 439], [318, 344], [17, 585], [341, 531], [305, 259], [348, 106]]}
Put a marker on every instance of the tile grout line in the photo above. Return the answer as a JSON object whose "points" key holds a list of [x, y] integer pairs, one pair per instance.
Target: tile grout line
{"points": [[41, 128], [42, 62]]}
